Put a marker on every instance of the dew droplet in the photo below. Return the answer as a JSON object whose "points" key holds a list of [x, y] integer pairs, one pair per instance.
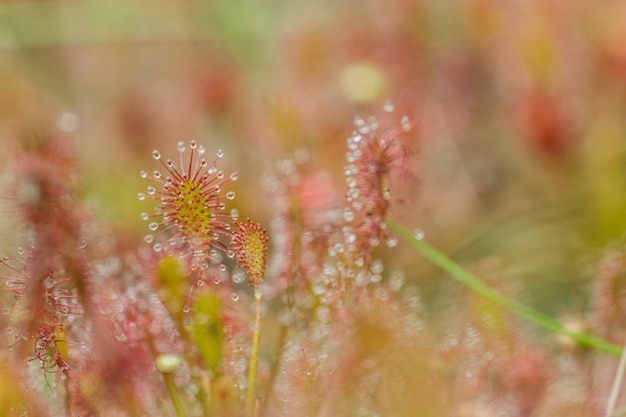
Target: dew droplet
{"points": [[20, 251], [233, 176], [234, 214], [230, 195], [406, 123], [396, 281], [220, 153], [392, 242], [238, 277], [329, 269], [49, 282], [143, 174], [418, 234], [200, 283], [151, 190], [148, 239], [373, 123], [193, 144], [156, 154], [186, 308], [348, 214], [153, 226], [141, 196], [68, 122], [157, 247], [377, 266], [145, 216], [156, 174], [180, 146], [388, 106]]}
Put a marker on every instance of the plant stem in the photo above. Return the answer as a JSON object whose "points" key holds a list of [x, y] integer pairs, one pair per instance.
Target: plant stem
{"points": [[275, 368], [171, 388], [617, 384], [254, 354], [461, 275]]}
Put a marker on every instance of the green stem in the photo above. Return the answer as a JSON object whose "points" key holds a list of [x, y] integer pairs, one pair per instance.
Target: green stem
{"points": [[617, 385], [254, 355], [461, 275], [282, 342], [171, 388]]}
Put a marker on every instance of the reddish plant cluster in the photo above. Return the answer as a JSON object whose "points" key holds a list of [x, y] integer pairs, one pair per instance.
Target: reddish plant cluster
{"points": [[374, 159], [89, 338], [55, 305], [68, 299], [165, 329]]}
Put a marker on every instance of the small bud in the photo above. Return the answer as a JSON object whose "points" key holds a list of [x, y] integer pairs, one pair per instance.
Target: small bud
{"points": [[168, 362]]}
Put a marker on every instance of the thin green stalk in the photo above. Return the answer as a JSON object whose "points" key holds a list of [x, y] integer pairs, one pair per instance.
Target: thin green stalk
{"points": [[254, 355], [461, 275], [617, 385], [171, 388], [282, 343]]}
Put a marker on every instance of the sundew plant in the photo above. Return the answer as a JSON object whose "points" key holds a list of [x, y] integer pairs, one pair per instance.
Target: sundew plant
{"points": [[383, 209]]}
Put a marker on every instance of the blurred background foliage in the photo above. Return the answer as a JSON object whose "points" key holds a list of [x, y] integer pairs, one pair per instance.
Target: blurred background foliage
{"points": [[520, 139]]}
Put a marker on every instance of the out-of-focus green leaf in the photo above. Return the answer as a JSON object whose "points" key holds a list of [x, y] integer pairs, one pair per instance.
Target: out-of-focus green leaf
{"points": [[172, 282], [207, 330]]}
